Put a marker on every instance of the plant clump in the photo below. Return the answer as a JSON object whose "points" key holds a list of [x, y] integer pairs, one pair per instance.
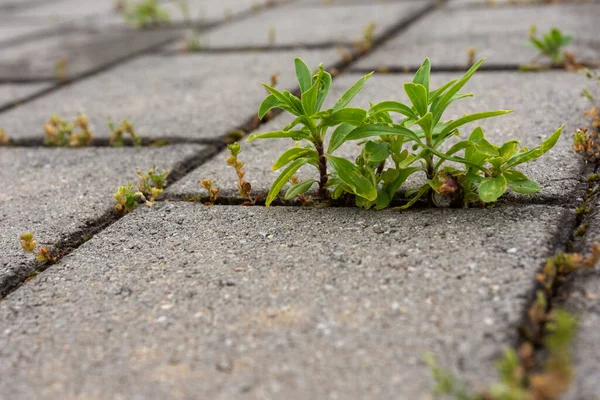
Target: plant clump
{"points": [[551, 45], [4, 140], [149, 187], [43, 253], [213, 191], [244, 187], [392, 151], [118, 133], [60, 133], [146, 13]]}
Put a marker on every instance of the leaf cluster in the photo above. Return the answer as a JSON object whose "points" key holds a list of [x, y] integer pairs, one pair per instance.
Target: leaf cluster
{"points": [[60, 133], [43, 254], [149, 187], [117, 133], [393, 151], [146, 13], [550, 44]]}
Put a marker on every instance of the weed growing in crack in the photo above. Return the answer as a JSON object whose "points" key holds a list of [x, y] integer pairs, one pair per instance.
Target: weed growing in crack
{"points": [[366, 42], [43, 253], [489, 170], [517, 381], [244, 187], [561, 265], [149, 187], [60, 133], [551, 45], [117, 134], [4, 140], [213, 191], [146, 13]]}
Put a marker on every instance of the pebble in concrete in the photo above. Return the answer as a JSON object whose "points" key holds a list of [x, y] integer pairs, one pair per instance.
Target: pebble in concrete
{"points": [[446, 35], [296, 25], [57, 192], [199, 96], [542, 102], [187, 301]]}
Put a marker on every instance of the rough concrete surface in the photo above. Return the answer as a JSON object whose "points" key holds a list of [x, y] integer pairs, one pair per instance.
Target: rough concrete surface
{"points": [[57, 192], [295, 25], [187, 301], [542, 102], [194, 96], [446, 35]]}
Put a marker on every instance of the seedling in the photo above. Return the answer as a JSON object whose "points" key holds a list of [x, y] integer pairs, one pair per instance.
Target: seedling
{"points": [[271, 35], [4, 140], [489, 170], [43, 253], [61, 68], [117, 134], [550, 45], [213, 191], [366, 43], [146, 13], [59, 133], [471, 54], [149, 187], [244, 187]]}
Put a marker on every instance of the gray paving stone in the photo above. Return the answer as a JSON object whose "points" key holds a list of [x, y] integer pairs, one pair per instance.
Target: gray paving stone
{"points": [[56, 192], [207, 11], [84, 50], [187, 301], [15, 31], [447, 34], [67, 9], [195, 96], [542, 102], [299, 25], [13, 93]]}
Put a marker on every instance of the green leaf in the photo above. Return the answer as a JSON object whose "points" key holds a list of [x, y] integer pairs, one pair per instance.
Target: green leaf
{"points": [[422, 75], [435, 94], [372, 130], [520, 183], [392, 106], [351, 116], [324, 89], [376, 151], [402, 176], [280, 135], [383, 200], [422, 190], [301, 119], [490, 189], [283, 178], [418, 96], [293, 154], [309, 98], [269, 103], [472, 117], [447, 96], [339, 137], [350, 93], [426, 123], [298, 188], [352, 177], [303, 74], [526, 156], [285, 100]]}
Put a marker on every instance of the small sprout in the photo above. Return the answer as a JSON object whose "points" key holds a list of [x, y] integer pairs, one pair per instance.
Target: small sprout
{"points": [[127, 198], [61, 68], [4, 140], [587, 145], [151, 184], [27, 242], [344, 53], [366, 42], [244, 187], [146, 13], [274, 79], [192, 41], [44, 254], [550, 44], [116, 136], [471, 54], [558, 267], [60, 133], [271, 35], [213, 192]]}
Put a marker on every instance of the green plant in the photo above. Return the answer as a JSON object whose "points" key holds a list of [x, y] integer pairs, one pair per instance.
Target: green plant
{"points": [[43, 254], [488, 170], [149, 187], [117, 133], [244, 187], [213, 192], [146, 13], [550, 44], [59, 133]]}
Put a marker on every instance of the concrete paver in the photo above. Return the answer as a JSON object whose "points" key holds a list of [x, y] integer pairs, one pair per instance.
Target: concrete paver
{"points": [[495, 33], [11, 93], [56, 192], [542, 102], [188, 301], [296, 25], [196, 96]]}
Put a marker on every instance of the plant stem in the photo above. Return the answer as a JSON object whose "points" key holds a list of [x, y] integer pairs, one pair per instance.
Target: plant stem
{"points": [[323, 192]]}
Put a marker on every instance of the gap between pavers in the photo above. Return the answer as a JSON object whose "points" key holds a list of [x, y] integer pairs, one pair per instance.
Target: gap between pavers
{"points": [[445, 36], [183, 300], [582, 295], [200, 96], [299, 25], [11, 93], [55, 193], [542, 102]]}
